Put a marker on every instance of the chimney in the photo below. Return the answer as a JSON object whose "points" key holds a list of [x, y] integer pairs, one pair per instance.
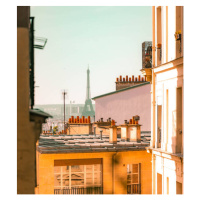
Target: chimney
{"points": [[126, 78], [134, 129], [135, 133], [120, 78], [133, 78], [125, 134], [101, 134], [113, 133]]}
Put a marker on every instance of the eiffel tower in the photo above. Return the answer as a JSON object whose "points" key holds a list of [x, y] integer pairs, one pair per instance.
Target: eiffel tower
{"points": [[88, 108]]}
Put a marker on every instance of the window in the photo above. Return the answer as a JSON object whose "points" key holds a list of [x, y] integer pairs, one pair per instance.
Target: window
{"points": [[78, 179], [133, 179]]}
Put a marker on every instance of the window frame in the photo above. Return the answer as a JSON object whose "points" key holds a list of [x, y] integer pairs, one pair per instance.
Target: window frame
{"points": [[84, 172], [130, 173]]}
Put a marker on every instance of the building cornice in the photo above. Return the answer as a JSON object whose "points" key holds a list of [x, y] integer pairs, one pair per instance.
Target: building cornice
{"points": [[169, 65], [166, 154]]}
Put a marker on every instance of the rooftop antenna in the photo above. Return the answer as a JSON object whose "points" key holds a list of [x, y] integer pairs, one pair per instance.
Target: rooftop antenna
{"points": [[64, 93]]}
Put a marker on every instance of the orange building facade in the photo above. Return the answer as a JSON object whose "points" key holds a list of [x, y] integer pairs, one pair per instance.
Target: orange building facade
{"points": [[88, 164]]}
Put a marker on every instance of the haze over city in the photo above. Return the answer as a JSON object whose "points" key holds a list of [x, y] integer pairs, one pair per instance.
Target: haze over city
{"points": [[107, 39]]}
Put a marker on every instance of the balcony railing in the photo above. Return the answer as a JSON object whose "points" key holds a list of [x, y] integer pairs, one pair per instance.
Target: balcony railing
{"points": [[89, 190], [134, 189]]}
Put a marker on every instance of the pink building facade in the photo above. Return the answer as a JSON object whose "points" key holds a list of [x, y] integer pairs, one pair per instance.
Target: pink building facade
{"points": [[122, 104]]}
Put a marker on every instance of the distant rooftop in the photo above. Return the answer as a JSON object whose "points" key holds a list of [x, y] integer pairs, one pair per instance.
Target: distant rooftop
{"points": [[128, 88], [49, 144]]}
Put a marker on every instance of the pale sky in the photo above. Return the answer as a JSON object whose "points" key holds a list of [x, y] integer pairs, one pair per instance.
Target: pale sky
{"points": [[109, 39]]}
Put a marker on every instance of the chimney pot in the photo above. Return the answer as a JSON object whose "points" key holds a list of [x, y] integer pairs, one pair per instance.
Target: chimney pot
{"points": [[126, 78], [88, 119], [133, 120], [101, 134], [133, 78], [113, 122], [95, 131], [83, 119], [120, 78], [72, 117], [137, 117]]}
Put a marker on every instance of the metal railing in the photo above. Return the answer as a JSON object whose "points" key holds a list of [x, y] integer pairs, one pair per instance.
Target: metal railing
{"points": [[88, 190], [134, 189]]}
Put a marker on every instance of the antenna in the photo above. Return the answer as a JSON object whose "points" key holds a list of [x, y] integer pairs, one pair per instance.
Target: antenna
{"points": [[64, 93]]}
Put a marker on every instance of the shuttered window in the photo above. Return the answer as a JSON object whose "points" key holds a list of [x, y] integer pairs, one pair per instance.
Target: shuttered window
{"points": [[134, 178]]}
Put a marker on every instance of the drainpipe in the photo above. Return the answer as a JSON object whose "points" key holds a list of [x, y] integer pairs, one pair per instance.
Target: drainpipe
{"points": [[113, 171]]}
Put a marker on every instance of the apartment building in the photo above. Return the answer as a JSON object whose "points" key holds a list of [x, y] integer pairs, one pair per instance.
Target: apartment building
{"points": [[94, 164], [167, 100], [29, 120], [132, 95]]}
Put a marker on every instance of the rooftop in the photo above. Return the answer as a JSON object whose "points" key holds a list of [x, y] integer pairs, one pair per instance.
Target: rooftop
{"points": [[39, 112], [128, 88], [50, 144]]}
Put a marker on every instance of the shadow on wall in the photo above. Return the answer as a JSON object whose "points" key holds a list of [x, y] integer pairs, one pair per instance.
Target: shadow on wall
{"points": [[173, 131], [118, 174], [177, 116]]}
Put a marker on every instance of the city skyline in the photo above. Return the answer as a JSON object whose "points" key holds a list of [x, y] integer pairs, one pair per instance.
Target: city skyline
{"points": [[105, 38]]}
